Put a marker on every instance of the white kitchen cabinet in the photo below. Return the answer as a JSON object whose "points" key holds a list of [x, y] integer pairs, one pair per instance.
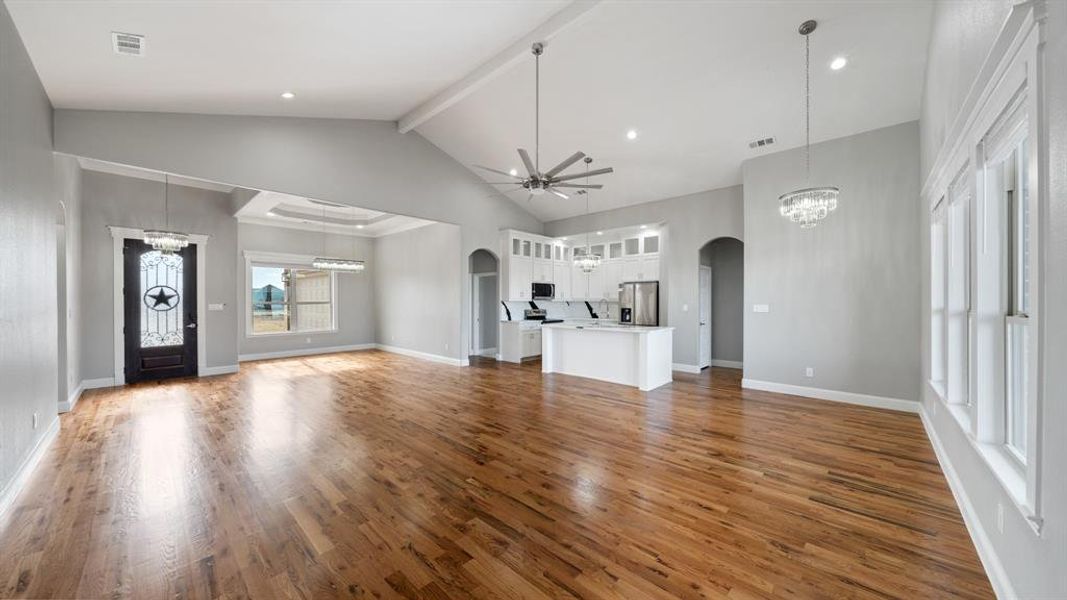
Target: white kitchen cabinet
{"points": [[542, 271], [531, 343], [648, 268], [629, 268], [520, 276], [650, 244], [519, 340], [612, 279], [579, 284], [561, 276], [596, 283]]}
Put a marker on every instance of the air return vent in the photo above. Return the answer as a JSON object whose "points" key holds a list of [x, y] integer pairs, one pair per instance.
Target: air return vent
{"points": [[761, 143], [128, 44]]}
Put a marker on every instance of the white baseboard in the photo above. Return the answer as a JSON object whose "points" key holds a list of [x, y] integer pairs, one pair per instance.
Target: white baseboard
{"points": [[305, 352], [994, 570], [833, 395], [223, 370], [423, 355], [728, 364], [684, 368], [86, 384], [28, 466], [72, 399]]}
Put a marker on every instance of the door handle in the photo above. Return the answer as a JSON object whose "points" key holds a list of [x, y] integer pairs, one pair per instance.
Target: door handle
{"points": [[191, 326], [702, 323]]}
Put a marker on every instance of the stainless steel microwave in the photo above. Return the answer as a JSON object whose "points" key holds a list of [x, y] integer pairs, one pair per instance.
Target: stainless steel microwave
{"points": [[543, 291]]}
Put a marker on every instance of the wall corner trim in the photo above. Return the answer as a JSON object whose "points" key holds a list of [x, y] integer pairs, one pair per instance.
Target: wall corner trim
{"points": [[684, 368], [994, 569], [900, 404], [28, 466], [68, 405], [727, 364], [220, 370]]}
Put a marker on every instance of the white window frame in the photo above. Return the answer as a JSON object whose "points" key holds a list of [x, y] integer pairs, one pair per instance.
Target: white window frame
{"points": [[284, 261], [982, 136]]}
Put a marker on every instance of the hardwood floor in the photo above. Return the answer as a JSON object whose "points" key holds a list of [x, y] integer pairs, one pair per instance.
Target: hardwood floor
{"points": [[373, 475]]}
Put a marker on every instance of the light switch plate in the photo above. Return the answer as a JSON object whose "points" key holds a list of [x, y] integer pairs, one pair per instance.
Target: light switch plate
{"points": [[216, 307], [761, 308]]}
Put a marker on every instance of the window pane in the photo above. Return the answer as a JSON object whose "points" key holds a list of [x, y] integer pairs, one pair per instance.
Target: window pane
{"points": [[1022, 235], [1015, 416], [313, 317], [162, 311], [270, 318], [310, 285]]}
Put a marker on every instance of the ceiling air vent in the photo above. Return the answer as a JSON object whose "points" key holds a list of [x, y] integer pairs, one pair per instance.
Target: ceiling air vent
{"points": [[761, 143], [128, 44]]}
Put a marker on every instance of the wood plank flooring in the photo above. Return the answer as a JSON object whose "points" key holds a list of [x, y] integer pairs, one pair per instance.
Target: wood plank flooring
{"points": [[374, 475]]}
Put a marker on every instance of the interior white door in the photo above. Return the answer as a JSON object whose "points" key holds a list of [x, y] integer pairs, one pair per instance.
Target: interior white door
{"points": [[705, 317]]}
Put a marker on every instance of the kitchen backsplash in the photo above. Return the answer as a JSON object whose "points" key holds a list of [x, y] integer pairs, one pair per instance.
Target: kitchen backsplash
{"points": [[564, 310]]}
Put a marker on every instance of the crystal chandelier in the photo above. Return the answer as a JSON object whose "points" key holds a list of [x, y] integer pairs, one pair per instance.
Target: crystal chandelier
{"points": [[166, 242], [809, 205], [587, 261], [347, 265]]}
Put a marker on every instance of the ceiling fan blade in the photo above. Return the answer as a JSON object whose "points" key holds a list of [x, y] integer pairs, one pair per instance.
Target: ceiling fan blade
{"points": [[529, 197], [592, 173], [577, 185], [560, 194], [498, 172], [577, 156], [525, 156]]}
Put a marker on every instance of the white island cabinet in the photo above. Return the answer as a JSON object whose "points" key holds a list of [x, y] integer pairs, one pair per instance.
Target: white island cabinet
{"points": [[626, 354]]}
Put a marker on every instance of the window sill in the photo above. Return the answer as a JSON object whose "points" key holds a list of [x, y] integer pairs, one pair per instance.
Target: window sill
{"points": [[1007, 471], [289, 333]]}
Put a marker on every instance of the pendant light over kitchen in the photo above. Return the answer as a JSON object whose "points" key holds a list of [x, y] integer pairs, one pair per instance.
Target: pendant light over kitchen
{"points": [[166, 242], [809, 205], [587, 261]]}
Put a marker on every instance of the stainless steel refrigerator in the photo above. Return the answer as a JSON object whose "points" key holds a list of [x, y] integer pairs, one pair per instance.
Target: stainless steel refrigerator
{"points": [[639, 303]]}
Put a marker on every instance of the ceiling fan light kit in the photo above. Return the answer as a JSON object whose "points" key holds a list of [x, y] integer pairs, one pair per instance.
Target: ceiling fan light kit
{"points": [[536, 182], [809, 205]]}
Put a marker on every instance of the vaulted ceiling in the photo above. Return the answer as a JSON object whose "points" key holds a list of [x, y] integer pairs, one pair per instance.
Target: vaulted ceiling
{"points": [[697, 81]]}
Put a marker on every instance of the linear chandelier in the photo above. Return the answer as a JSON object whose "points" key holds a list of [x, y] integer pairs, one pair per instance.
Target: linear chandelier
{"points": [[347, 265], [166, 242]]}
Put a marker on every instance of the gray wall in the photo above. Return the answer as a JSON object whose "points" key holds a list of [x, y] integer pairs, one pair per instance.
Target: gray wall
{"points": [[962, 35], [355, 291], [726, 257], [28, 252], [417, 284], [844, 297], [358, 163], [68, 177], [128, 202], [690, 222]]}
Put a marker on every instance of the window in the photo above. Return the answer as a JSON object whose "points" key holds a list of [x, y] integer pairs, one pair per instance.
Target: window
{"points": [[1015, 200], [958, 294], [290, 299], [937, 299]]}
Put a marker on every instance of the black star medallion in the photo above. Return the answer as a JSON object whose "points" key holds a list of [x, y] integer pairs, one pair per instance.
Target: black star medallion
{"points": [[161, 299]]}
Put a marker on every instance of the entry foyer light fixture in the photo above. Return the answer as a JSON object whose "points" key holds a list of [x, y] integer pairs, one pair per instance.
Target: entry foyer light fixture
{"points": [[809, 205], [346, 265], [166, 242]]}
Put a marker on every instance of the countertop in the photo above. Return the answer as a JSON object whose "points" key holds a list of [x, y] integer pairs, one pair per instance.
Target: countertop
{"points": [[608, 326]]}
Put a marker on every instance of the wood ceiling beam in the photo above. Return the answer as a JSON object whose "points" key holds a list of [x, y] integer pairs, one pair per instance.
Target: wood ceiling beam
{"points": [[520, 49]]}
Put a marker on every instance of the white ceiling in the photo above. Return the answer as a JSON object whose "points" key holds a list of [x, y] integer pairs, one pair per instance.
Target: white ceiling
{"points": [[366, 60], [697, 80], [295, 212]]}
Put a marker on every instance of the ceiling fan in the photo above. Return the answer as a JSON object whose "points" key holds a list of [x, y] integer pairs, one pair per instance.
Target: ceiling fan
{"points": [[536, 181]]}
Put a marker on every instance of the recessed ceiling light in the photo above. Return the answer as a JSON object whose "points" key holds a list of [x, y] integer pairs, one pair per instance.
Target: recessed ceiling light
{"points": [[564, 239], [359, 227], [288, 95], [271, 213], [631, 135], [513, 172], [644, 227], [838, 63], [600, 233]]}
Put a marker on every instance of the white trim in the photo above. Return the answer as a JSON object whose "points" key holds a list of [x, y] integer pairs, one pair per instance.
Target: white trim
{"points": [[726, 364], [92, 384], [423, 355], [118, 234], [28, 466], [223, 370], [476, 335], [994, 570], [304, 352], [68, 405], [684, 368], [833, 395]]}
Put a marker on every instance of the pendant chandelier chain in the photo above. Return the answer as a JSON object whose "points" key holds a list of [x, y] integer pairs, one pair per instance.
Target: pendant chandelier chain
{"points": [[807, 106], [166, 201], [537, 111]]}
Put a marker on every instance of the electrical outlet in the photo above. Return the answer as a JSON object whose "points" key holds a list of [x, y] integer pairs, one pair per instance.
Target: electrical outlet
{"points": [[307, 340], [1000, 517], [446, 347], [35, 419], [809, 372], [761, 308], [685, 308]]}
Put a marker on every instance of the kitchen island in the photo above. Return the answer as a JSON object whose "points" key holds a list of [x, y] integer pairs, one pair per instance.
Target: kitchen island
{"points": [[626, 354]]}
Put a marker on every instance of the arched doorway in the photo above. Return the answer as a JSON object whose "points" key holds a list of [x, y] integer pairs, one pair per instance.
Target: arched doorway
{"points": [[721, 306], [485, 302]]}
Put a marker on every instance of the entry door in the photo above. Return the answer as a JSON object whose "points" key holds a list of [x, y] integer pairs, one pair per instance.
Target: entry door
{"points": [[159, 293], [705, 317]]}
